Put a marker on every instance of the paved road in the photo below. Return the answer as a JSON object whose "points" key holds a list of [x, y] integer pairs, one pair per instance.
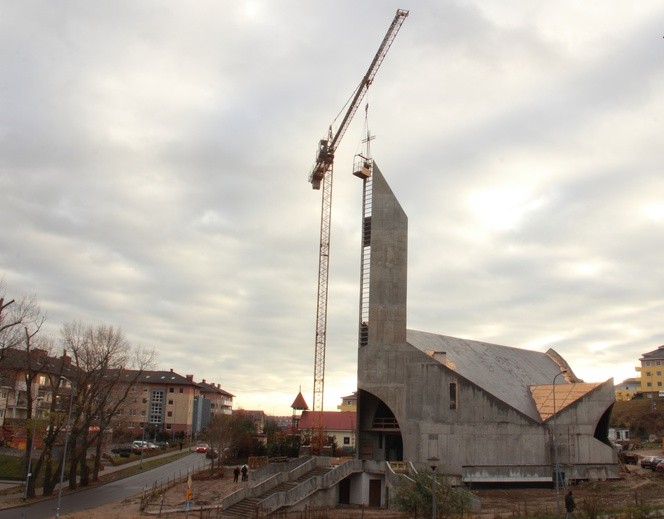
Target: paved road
{"points": [[103, 494]]}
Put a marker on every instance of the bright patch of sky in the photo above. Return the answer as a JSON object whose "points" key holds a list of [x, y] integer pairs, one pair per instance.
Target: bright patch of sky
{"points": [[154, 161]]}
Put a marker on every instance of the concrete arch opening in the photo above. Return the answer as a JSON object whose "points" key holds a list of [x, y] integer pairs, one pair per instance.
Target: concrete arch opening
{"points": [[379, 433]]}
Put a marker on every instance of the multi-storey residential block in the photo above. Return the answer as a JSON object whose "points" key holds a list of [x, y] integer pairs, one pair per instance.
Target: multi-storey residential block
{"points": [[29, 377], [627, 389], [170, 404], [158, 403], [348, 403], [210, 401], [652, 372]]}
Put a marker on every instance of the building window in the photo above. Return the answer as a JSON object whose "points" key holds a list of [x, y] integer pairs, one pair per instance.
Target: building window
{"points": [[347, 442], [156, 407], [170, 402], [659, 373], [453, 395], [171, 390], [168, 428], [648, 373], [181, 390], [169, 414], [649, 384]]}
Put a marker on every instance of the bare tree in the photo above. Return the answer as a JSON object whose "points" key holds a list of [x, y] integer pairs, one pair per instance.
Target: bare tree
{"points": [[57, 426], [15, 316], [105, 367], [24, 356]]}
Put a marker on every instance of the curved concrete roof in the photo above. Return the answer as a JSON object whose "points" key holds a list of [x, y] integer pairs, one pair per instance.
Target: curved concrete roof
{"points": [[505, 372]]}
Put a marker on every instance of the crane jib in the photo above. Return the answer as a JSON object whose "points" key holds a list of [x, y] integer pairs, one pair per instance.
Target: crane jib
{"points": [[318, 172]]}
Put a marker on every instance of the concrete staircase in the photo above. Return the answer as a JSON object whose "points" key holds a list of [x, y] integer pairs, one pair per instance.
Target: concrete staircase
{"points": [[250, 506]]}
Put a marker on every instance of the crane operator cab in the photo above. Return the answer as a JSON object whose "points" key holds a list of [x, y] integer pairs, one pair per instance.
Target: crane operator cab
{"points": [[323, 160], [322, 153]]}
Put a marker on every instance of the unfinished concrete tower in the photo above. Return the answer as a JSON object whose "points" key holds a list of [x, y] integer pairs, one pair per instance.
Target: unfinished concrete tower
{"points": [[486, 412]]}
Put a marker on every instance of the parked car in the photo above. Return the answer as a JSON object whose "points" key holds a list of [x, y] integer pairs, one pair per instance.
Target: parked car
{"points": [[659, 467], [211, 454], [647, 461], [656, 461], [202, 447], [629, 457], [139, 446], [123, 450]]}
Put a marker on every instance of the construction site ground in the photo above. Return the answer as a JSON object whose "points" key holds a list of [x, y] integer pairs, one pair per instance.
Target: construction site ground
{"points": [[638, 485]]}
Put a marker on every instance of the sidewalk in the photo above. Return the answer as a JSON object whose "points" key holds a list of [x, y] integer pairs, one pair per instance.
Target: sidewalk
{"points": [[8, 500]]}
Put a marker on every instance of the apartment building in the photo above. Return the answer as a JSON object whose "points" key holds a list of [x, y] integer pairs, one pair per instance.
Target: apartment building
{"points": [[170, 404], [652, 372], [348, 403], [210, 401], [627, 389], [158, 403], [44, 373]]}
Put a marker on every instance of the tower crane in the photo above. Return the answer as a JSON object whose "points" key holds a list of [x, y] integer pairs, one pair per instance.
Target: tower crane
{"points": [[322, 174]]}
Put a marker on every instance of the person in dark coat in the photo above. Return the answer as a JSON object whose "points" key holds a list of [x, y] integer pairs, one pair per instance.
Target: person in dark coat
{"points": [[570, 505], [245, 473], [236, 474]]}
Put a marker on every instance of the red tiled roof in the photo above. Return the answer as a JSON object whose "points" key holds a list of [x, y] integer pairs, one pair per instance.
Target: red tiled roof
{"points": [[332, 420], [299, 402]]}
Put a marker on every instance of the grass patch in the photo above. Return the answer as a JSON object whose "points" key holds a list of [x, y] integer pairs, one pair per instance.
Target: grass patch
{"points": [[12, 467], [135, 469]]}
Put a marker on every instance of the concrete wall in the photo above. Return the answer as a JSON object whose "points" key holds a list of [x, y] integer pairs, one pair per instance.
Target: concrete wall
{"points": [[389, 263], [479, 430]]}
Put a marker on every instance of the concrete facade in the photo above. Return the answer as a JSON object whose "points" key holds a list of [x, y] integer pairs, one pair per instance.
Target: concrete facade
{"points": [[487, 412]]}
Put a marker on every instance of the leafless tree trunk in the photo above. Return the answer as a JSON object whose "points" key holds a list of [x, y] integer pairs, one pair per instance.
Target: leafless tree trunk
{"points": [[102, 356]]}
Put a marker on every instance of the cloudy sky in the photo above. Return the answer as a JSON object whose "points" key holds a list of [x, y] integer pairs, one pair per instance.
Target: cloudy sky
{"points": [[154, 158]]}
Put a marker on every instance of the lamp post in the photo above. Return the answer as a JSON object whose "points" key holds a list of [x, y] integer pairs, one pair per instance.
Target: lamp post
{"points": [[145, 425], [64, 451], [434, 508], [556, 473], [32, 444]]}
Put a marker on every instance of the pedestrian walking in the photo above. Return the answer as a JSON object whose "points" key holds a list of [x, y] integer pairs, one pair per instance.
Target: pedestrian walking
{"points": [[236, 474], [245, 473], [570, 505]]}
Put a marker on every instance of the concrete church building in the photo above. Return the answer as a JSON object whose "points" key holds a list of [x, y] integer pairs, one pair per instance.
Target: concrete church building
{"points": [[480, 412]]}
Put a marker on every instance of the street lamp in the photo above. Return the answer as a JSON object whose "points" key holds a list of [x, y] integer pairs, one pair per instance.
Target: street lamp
{"points": [[64, 452], [32, 445], [555, 448], [434, 511], [145, 425]]}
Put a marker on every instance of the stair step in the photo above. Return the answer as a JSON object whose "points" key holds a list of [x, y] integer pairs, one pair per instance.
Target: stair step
{"points": [[249, 505]]}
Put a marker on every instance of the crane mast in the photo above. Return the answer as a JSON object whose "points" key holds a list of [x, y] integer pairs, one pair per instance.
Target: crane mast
{"points": [[322, 174]]}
